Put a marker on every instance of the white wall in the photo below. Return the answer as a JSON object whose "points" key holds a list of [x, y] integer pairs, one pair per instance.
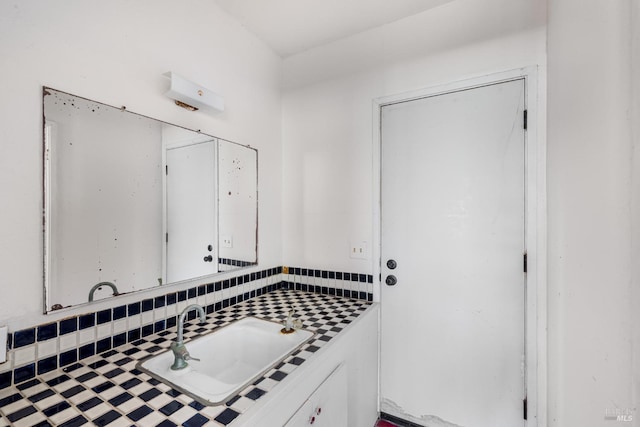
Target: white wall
{"points": [[115, 52], [327, 118], [593, 214]]}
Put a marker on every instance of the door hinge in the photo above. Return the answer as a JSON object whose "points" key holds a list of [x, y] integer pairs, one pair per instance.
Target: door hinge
{"points": [[524, 262], [524, 408], [166, 168], [525, 121], [166, 237]]}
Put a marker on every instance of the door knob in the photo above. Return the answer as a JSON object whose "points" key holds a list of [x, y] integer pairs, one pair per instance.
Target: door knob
{"points": [[392, 264], [208, 258], [391, 280]]}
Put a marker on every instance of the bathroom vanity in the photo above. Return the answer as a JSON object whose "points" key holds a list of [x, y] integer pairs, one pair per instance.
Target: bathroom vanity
{"points": [[330, 379]]}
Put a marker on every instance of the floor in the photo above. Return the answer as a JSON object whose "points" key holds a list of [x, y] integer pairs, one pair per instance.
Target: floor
{"points": [[383, 423]]}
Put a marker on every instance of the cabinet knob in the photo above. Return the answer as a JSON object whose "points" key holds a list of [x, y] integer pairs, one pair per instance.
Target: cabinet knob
{"points": [[318, 411], [312, 420]]}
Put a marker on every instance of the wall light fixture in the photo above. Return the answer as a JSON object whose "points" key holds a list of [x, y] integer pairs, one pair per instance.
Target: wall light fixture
{"points": [[191, 95]]}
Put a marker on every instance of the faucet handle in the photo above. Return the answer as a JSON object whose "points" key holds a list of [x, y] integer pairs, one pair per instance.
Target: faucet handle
{"points": [[189, 357]]}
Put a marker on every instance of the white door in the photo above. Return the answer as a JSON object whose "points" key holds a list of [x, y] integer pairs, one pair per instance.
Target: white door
{"points": [[191, 241], [453, 168]]}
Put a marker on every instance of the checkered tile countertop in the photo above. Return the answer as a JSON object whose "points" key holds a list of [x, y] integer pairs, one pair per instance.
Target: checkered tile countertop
{"points": [[108, 390]]}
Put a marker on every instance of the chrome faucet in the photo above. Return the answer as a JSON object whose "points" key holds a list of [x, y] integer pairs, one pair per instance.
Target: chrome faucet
{"points": [[180, 353], [101, 284]]}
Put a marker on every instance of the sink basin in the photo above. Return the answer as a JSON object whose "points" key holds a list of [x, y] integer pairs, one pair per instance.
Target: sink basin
{"points": [[230, 358]]}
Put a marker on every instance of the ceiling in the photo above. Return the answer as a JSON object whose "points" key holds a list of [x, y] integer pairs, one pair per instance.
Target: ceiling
{"points": [[293, 26]]}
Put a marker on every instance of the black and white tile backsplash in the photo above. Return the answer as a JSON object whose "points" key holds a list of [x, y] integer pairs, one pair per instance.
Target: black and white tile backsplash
{"points": [[46, 347]]}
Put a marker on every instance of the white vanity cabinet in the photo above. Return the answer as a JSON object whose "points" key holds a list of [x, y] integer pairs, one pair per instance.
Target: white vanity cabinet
{"points": [[340, 380], [327, 406]]}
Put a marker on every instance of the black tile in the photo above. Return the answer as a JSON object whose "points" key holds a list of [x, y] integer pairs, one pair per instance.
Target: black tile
{"points": [[58, 380], [107, 418], [172, 321], [113, 373], [123, 361], [226, 416], [42, 424], [5, 379], [98, 364], [173, 392], [102, 387], [147, 330], [72, 367], [87, 321], [22, 413], [196, 421], [28, 384], [130, 383], [133, 308], [24, 373], [58, 407], [147, 304], [88, 404], [160, 301], [119, 339], [72, 391], [150, 394], [255, 394], [68, 325], [120, 399], [233, 400], [182, 295], [42, 395], [75, 422], [278, 375], [196, 405], [172, 298], [103, 345], [167, 423], [86, 350], [133, 335], [10, 399], [48, 331], [86, 377], [296, 361], [159, 326], [191, 293], [104, 316], [217, 286], [47, 364], [138, 414], [202, 290], [24, 337], [171, 407], [119, 312]]}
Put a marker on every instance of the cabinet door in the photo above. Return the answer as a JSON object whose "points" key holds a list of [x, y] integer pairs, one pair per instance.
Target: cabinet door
{"points": [[327, 406]]}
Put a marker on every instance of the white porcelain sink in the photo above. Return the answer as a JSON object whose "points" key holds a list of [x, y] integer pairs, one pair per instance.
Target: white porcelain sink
{"points": [[230, 358]]}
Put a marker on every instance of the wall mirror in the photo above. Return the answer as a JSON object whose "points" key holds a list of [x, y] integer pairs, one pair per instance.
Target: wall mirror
{"points": [[132, 202]]}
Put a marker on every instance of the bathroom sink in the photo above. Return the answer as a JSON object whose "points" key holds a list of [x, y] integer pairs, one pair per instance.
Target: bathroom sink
{"points": [[230, 358]]}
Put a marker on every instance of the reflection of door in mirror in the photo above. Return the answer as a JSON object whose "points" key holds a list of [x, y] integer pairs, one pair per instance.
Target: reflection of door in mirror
{"points": [[191, 224]]}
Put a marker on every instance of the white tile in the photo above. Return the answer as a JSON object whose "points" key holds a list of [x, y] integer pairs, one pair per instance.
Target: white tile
{"points": [[147, 317], [47, 348], [68, 341], [103, 331], [24, 355], [86, 336], [119, 326], [134, 321]]}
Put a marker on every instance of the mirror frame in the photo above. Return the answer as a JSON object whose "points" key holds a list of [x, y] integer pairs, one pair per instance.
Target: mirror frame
{"points": [[47, 201]]}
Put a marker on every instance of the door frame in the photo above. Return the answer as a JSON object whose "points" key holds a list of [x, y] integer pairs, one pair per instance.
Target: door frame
{"points": [[535, 225]]}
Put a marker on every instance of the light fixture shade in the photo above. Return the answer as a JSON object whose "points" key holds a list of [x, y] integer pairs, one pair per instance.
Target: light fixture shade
{"points": [[193, 94]]}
